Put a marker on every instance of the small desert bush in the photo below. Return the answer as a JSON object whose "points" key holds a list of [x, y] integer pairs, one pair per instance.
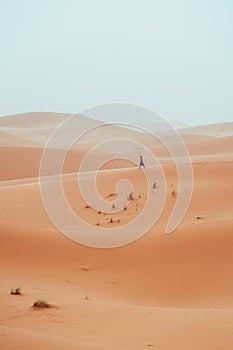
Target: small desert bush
{"points": [[85, 268], [174, 194], [41, 304], [130, 197], [16, 291]]}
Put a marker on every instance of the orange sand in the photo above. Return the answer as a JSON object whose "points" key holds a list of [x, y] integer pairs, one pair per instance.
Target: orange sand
{"points": [[167, 292]]}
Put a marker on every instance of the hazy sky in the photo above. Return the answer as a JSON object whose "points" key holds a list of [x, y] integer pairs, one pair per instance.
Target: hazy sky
{"points": [[174, 56]]}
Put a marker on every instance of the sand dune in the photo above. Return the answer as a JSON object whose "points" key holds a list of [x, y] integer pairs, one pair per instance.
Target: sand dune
{"points": [[217, 129], [168, 292], [23, 138]]}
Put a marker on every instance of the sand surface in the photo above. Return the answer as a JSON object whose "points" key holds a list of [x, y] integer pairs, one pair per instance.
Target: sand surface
{"points": [[167, 292]]}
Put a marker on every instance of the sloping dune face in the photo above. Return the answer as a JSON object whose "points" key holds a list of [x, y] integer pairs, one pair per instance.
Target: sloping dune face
{"points": [[168, 292]]}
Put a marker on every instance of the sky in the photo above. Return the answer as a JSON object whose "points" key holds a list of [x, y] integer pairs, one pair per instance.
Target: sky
{"points": [[173, 56]]}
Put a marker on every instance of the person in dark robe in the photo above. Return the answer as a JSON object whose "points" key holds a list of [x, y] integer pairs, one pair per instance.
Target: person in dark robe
{"points": [[141, 164]]}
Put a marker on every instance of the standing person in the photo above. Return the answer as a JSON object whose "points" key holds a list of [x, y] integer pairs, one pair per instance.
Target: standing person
{"points": [[141, 165]]}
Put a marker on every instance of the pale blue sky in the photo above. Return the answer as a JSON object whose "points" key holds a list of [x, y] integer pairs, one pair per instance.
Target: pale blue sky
{"points": [[174, 56]]}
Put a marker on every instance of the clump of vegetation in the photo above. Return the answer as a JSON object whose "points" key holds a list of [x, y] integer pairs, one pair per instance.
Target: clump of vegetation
{"points": [[111, 220], [113, 206], [174, 194], [42, 304], [16, 291], [85, 268], [130, 197], [125, 208], [87, 206], [154, 185]]}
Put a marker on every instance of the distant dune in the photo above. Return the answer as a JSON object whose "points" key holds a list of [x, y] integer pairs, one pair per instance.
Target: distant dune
{"points": [[166, 292], [24, 136], [217, 129]]}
